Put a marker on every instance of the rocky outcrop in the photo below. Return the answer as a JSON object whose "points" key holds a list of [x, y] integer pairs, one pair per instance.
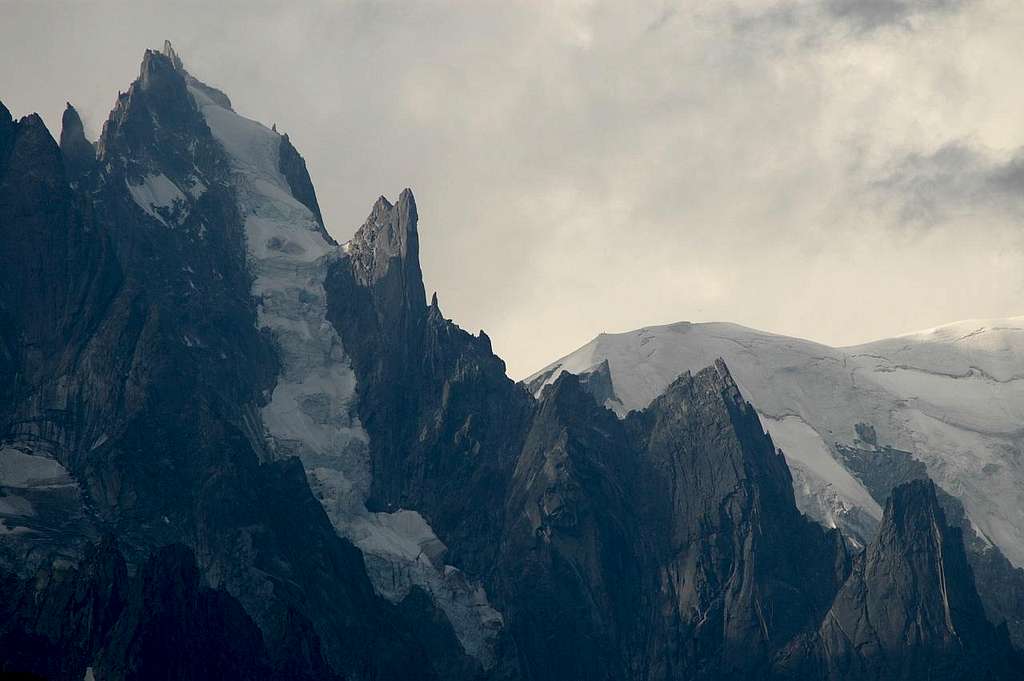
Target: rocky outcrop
{"points": [[79, 155], [573, 572], [1000, 585], [910, 609], [58, 275], [172, 627], [598, 382], [7, 128], [444, 421], [747, 572]]}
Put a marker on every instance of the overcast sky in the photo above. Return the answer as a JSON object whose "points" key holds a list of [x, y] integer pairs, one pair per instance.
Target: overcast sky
{"points": [[840, 170]]}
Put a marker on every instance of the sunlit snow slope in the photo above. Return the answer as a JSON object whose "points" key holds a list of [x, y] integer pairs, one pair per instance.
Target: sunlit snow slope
{"points": [[952, 396]]}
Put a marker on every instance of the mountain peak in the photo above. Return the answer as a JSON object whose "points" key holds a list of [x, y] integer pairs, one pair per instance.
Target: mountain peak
{"points": [[156, 108], [35, 122], [407, 200], [78, 152], [712, 380], [915, 588], [912, 502], [168, 51], [389, 236], [381, 206], [155, 70]]}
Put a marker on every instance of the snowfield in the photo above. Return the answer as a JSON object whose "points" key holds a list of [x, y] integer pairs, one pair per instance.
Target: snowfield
{"points": [[157, 196], [952, 396]]}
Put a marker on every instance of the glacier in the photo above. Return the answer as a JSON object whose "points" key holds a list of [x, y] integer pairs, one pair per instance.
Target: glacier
{"points": [[311, 412]]}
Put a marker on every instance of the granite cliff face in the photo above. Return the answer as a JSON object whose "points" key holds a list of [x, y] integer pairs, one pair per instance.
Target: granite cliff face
{"points": [[909, 609], [231, 447]]}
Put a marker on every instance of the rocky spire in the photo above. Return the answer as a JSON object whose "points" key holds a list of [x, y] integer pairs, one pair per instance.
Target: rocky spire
{"points": [[750, 570], [79, 154], [168, 51], [155, 72], [385, 255], [155, 120], [31, 149], [910, 609]]}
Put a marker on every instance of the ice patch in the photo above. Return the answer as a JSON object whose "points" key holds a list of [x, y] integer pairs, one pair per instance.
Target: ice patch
{"points": [[311, 412], [806, 451], [196, 188], [20, 469], [158, 196], [23, 473]]}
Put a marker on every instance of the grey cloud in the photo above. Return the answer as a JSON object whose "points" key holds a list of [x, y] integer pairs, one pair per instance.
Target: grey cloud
{"points": [[868, 15], [818, 20], [666, 15], [956, 180]]}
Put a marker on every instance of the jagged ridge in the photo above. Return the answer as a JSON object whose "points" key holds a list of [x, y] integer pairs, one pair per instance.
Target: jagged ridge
{"points": [[666, 545]]}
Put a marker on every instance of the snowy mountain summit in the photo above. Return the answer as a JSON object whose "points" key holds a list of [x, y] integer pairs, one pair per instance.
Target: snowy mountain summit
{"points": [[947, 401]]}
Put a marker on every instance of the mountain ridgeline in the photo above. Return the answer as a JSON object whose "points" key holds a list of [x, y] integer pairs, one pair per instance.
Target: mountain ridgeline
{"points": [[232, 448]]}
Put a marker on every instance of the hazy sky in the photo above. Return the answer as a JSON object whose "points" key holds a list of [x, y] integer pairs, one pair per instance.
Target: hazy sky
{"points": [[840, 170]]}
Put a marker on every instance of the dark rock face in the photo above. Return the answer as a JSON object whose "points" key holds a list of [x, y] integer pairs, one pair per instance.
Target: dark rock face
{"points": [[910, 609], [174, 628], [54, 622], [746, 570], [571, 570], [79, 155], [1000, 585], [598, 382], [445, 422], [57, 278]]}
